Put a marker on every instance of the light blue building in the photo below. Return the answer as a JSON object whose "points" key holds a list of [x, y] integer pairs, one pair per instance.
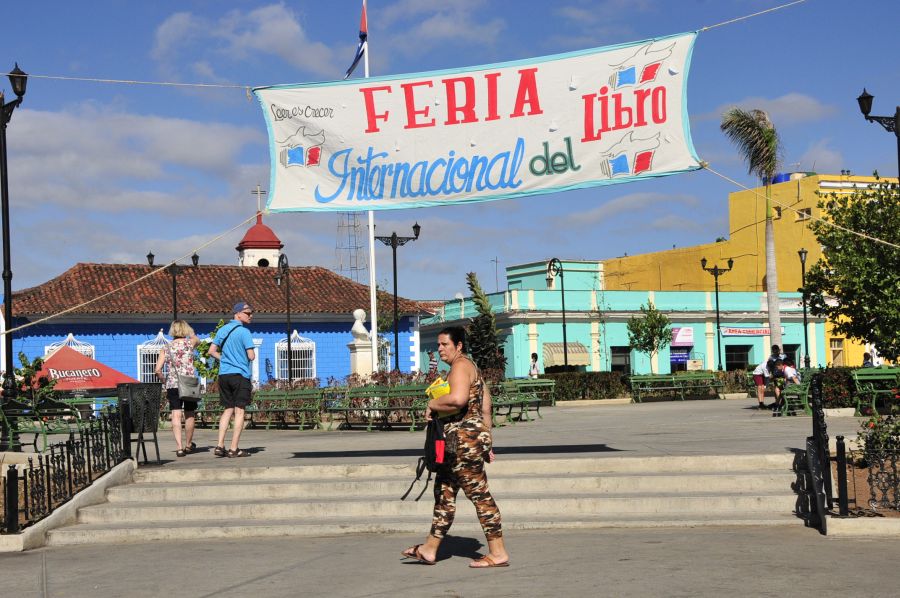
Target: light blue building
{"points": [[529, 314]]}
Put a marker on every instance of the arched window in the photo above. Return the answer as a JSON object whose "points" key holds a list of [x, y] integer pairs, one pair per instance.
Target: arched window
{"points": [[73, 343], [147, 354], [303, 358]]}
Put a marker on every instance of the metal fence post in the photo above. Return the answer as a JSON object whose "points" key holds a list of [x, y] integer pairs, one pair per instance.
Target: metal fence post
{"points": [[125, 422], [843, 507], [11, 502], [820, 433]]}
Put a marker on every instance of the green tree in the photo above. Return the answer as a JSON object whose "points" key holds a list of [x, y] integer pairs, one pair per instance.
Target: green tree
{"points": [[484, 340], [650, 332], [759, 145], [36, 390], [855, 285], [206, 366]]}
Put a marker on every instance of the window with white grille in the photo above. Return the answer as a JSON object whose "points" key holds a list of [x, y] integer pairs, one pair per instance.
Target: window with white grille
{"points": [[73, 343], [303, 358], [147, 355]]}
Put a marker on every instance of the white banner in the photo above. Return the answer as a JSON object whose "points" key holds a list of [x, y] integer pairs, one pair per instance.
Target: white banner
{"points": [[582, 119]]}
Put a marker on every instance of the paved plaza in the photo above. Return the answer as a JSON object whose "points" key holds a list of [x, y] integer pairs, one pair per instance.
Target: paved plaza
{"points": [[710, 561]]}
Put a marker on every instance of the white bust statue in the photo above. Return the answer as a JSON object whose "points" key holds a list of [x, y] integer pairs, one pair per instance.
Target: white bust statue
{"points": [[359, 331]]}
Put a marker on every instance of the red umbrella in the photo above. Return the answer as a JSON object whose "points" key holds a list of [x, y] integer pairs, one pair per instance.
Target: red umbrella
{"points": [[76, 372]]}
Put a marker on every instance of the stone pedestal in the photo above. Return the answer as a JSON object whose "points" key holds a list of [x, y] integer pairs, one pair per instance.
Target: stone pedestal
{"points": [[360, 347]]}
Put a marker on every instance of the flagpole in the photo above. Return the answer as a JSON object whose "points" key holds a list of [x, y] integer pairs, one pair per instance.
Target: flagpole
{"points": [[373, 303]]}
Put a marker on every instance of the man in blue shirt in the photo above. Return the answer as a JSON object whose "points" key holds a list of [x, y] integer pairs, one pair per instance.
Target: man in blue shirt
{"points": [[233, 347]]}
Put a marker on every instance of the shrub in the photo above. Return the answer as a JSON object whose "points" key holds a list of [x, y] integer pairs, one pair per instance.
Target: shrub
{"points": [[880, 436], [572, 386], [837, 388]]}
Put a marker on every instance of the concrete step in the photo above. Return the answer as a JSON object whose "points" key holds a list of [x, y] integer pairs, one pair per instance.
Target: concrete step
{"points": [[377, 507], [186, 531], [223, 470], [222, 499], [394, 487]]}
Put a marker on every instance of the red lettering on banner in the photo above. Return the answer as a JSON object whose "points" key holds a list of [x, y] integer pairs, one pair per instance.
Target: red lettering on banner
{"points": [[468, 109], [462, 111], [411, 112], [372, 117], [630, 110], [491, 79], [527, 94]]}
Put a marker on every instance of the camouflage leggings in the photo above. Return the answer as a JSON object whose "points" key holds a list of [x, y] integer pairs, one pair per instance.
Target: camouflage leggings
{"points": [[473, 444]]}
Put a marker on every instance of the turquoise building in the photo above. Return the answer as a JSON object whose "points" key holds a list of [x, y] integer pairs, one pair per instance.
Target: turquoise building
{"points": [[529, 315]]}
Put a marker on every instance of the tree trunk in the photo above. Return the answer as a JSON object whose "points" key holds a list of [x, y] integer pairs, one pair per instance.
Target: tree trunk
{"points": [[772, 275]]}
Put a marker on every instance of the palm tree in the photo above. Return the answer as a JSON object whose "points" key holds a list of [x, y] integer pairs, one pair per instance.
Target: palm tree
{"points": [[758, 142]]}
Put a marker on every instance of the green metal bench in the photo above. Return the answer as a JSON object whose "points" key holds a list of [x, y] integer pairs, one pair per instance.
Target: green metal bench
{"points": [[269, 407], [874, 384], [305, 406], [647, 384], [699, 383], [542, 388], [794, 399]]}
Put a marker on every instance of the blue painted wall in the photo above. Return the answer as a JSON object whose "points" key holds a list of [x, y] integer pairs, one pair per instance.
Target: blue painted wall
{"points": [[116, 344]]}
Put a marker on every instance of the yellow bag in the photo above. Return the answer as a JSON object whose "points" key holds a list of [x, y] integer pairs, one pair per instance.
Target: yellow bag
{"points": [[438, 388]]}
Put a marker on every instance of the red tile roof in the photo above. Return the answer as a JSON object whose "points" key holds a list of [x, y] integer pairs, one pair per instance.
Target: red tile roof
{"points": [[201, 290]]}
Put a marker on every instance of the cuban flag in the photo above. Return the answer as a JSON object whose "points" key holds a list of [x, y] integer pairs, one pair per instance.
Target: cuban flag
{"points": [[629, 156], [363, 41], [642, 67]]}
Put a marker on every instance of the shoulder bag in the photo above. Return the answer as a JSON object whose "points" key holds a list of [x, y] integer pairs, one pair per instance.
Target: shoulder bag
{"points": [[188, 386]]}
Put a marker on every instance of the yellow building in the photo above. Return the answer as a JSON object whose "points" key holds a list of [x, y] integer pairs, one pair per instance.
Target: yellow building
{"points": [[795, 203]]}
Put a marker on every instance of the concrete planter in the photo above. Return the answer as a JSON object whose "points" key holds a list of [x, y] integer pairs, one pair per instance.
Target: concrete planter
{"points": [[841, 412]]}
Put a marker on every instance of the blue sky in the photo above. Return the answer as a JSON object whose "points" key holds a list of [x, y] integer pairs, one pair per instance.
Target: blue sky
{"points": [[105, 172]]}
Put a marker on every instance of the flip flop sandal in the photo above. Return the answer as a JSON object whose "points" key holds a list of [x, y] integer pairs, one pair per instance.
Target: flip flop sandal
{"points": [[489, 563], [416, 555], [238, 453], [220, 451]]}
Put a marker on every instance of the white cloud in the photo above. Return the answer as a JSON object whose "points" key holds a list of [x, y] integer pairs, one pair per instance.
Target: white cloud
{"points": [[272, 30], [631, 203], [790, 109], [95, 157], [422, 25], [822, 158]]}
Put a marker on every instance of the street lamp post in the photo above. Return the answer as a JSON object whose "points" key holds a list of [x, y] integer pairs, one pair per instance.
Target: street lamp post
{"points": [[803, 253], [394, 242], [716, 271], [9, 440], [891, 124], [283, 272], [174, 270], [554, 268]]}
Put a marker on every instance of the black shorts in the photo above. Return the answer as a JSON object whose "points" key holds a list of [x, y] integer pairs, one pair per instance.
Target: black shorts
{"points": [[175, 402], [235, 391]]}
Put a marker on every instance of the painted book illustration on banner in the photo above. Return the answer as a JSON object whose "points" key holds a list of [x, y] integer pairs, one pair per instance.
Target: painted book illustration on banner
{"points": [[548, 124]]}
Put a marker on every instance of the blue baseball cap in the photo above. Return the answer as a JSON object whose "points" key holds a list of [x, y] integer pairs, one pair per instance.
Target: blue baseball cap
{"points": [[241, 306]]}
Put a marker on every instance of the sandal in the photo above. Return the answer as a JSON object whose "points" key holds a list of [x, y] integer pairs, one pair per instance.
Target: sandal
{"points": [[488, 562], [238, 453], [413, 553], [220, 451], [180, 453], [190, 449]]}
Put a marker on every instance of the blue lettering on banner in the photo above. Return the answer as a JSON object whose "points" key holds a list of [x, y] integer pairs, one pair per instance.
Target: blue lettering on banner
{"points": [[452, 175]]}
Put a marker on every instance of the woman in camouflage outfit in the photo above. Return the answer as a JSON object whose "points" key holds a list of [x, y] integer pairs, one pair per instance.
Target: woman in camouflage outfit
{"points": [[466, 415]]}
